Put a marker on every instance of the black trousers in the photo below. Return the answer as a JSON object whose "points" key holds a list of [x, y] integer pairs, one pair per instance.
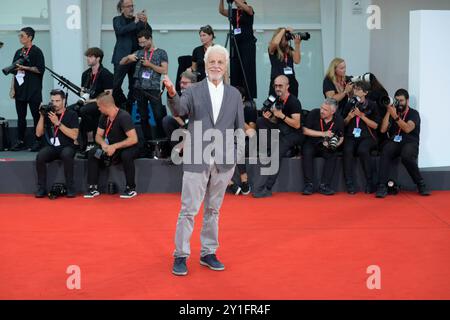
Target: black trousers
{"points": [[89, 115], [311, 150], [120, 72], [159, 112], [247, 50], [49, 154], [408, 152], [169, 125], [125, 156], [286, 142], [361, 147], [22, 108]]}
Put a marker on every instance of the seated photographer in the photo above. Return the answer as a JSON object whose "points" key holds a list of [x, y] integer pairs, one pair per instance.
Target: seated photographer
{"points": [[283, 56], [95, 80], [60, 128], [336, 84], [151, 63], [323, 130], [402, 125], [361, 122], [283, 116], [170, 123], [117, 142]]}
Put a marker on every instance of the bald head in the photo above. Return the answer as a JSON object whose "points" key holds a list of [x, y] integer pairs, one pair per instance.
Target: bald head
{"points": [[281, 86]]}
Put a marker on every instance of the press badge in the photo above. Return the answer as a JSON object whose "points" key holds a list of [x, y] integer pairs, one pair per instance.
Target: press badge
{"points": [[288, 71], [55, 142], [20, 77], [107, 141], [237, 31], [357, 132], [146, 75], [398, 138]]}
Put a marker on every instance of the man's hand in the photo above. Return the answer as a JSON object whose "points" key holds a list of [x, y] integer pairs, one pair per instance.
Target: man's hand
{"points": [[392, 111], [110, 150], [169, 86], [357, 112], [348, 88], [267, 114], [22, 68], [327, 134], [132, 57], [53, 118], [278, 113]]}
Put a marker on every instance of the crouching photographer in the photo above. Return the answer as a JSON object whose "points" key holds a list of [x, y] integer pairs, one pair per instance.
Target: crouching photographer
{"points": [[60, 128], [323, 130], [284, 115], [117, 142]]}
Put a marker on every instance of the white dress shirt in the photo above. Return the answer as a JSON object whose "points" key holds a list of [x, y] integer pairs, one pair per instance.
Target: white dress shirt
{"points": [[216, 94]]}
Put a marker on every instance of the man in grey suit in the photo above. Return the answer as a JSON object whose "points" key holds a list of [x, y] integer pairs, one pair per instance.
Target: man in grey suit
{"points": [[214, 144]]}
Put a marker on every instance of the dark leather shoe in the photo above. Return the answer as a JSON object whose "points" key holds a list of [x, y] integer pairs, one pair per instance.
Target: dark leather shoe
{"points": [[308, 189], [350, 188], [40, 193], [210, 261], [381, 191], [264, 193], [326, 190], [423, 190], [179, 267]]}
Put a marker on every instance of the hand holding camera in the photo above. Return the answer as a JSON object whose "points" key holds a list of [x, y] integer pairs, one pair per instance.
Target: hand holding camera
{"points": [[392, 111], [53, 118]]}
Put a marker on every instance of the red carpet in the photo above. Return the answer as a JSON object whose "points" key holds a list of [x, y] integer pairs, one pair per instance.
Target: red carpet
{"points": [[286, 247]]}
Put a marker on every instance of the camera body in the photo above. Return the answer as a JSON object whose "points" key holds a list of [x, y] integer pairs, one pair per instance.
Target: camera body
{"points": [[303, 35], [57, 190], [45, 109], [387, 101], [23, 59], [331, 143], [272, 102], [101, 155]]}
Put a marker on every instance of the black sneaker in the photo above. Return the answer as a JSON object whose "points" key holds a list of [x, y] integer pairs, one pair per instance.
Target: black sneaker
{"points": [[381, 191], [350, 188], [210, 261], [423, 191], [264, 193], [308, 189], [369, 188], [18, 146], [245, 188], [179, 267], [71, 193], [325, 189], [36, 146], [128, 193], [40, 193], [234, 189], [92, 192]]}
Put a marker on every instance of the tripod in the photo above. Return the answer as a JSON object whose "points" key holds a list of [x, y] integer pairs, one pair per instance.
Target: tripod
{"points": [[235, 49]]}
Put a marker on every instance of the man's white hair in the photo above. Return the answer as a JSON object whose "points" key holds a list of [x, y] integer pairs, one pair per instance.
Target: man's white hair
{"points": [[217, 48]]}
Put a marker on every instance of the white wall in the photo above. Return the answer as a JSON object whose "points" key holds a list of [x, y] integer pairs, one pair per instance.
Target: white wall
{"points": [[429, 83]]}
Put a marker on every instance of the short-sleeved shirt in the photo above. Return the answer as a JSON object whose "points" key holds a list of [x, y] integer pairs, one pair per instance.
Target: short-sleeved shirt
{"points": [[119, 128], [370, 109], [198, 56], [70, 120], [31, 89], [147, 78], [413, 136], [291, 107], [97, 84], [314, 122], [328, 85]]}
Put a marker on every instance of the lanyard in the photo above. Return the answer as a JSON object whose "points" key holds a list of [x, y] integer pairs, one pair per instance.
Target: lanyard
{"points": [[94, 77], [27, 51], [108, 129], [286, 59], [285, 100], [321, 125], [238, 18], [357, 121], [56, 129], [404, 117], [151, 55]]}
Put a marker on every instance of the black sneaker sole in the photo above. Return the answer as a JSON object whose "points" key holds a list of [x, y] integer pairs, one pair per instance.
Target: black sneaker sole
{"points": [[211, 267]]}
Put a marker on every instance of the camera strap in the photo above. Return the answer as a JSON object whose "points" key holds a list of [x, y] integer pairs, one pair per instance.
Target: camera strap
{"points": [[329, 129], [56, 129], [151, 54], [109, 126], [404, 117], [25, 52]]}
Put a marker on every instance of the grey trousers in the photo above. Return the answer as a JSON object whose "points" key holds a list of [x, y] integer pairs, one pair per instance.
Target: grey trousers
{"points": [[209, 186]]}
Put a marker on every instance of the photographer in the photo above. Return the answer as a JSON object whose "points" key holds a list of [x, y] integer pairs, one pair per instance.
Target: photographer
{"points": [[361, 122], [126, 27], [282, 58], [336, 84], [207, 37], [60, 128], [402, 125], [323, 129], [152, 62], [95, 80], [116, 138], [242, 22], [285, 117], [26, 86]]}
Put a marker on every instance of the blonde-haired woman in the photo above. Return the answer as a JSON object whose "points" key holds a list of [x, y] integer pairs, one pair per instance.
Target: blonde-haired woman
{"points": [[337, 84]]}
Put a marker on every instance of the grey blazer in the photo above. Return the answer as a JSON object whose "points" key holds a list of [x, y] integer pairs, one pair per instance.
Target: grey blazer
{"points": [[196, 103]]}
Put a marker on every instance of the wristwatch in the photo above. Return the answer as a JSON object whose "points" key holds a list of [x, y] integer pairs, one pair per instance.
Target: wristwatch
{"points": [[284, 117], [59, 124]]}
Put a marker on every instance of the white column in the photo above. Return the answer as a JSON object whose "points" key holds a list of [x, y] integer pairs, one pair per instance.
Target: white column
{"points": [[328, 22]]}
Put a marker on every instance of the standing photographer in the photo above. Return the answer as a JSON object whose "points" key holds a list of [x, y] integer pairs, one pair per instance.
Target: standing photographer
{"points": [[283, 56], [242, 22], [361, 122], [26, 86], [336, 84], [60, 128], [323, 128], [402, 124], [117, 139], [287, 114]]}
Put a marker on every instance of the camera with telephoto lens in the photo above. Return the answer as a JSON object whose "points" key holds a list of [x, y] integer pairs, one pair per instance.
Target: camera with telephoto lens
{"points": [[103, 156], [45, 109], [303, 35], [387, 101], [366, 77], [331, 143], [57, 190], [23, 59]]}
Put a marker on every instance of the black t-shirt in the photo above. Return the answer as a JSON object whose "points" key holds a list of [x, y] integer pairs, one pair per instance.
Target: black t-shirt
{"points": [[245, 24], [31, 89], [119, 128], [70, 120], [328, 85], [370, 109], [291, 106], [313, 122], [198, 56], [278, 66], [413, 136], [102, 81], [376, 95]]}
